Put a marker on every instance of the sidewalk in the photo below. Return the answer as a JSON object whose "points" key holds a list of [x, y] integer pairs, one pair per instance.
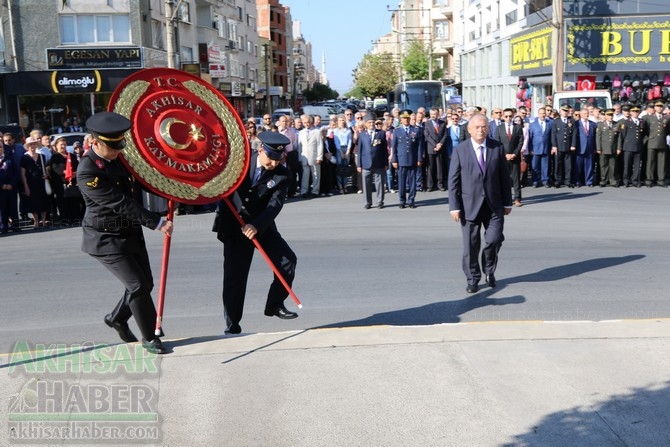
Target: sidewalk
{"points": [[465, 384]]}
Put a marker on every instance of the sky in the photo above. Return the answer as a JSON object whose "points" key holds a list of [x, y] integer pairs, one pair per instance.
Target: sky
{"points": [[344, 29]]}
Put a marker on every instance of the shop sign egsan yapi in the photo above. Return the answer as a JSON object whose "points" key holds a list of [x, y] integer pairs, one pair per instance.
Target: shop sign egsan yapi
{"points": [[618, 44], [80, 81]]}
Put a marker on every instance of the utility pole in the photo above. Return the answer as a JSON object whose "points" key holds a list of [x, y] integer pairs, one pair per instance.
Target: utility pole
{"points": [[169, 33], [559, 63], [268, 104]]}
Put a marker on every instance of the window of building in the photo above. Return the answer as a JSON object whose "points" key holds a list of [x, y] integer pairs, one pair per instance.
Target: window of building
{"points": [[240, 13], [510, 18], [184, 12], [441, 29], [187, 55], [157, 34], [232, 31], [251, 22], [91, 28]]}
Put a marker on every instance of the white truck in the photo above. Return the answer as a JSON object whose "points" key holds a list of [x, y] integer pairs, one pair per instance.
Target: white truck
{"points": [[579, 98]]}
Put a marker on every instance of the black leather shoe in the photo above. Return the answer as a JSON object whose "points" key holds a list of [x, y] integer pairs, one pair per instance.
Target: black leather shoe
{"points": [[491, 280], [380, 206], [411, 205], [154, 346], [122, 328], [367, 206], [281, 312], [233, 329], [402, 205], [472, 288]]}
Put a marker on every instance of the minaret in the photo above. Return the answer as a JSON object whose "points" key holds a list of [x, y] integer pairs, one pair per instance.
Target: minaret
{"points": [[324, 78]]}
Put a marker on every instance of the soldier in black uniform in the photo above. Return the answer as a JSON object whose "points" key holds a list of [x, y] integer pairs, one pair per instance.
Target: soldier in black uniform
{"points": [[607, 141], [563, 146], [632, 133], [259, 199], [658, 126], [113, 227]]}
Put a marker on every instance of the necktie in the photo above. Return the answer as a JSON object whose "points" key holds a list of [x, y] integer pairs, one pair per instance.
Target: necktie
{"points": [[436, 126], [586, 127], [257, 174], [406, 130], [542, 126], [482, 163], [509, 132]]}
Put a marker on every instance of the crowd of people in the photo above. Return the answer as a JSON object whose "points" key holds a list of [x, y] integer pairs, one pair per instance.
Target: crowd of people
{"points": [[38, 182], [622, 146]]}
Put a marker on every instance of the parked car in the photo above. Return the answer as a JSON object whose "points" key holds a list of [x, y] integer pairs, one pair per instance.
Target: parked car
{"points": [[70, 138], [16, 130], [280, 112]]}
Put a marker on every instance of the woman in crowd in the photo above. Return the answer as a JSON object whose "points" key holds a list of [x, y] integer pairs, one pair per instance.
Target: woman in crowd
{"points": [[252, 135], [33, 176], [343, 144], [61, 176], [328, 169]]}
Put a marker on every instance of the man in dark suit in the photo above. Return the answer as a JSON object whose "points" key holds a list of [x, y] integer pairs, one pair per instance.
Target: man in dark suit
{"points": [[480, 194], [539, 145], [632, 133], [658, 126], [563, 145], [511, 137], [435, 135], [372, 162], [496, 120], [259, 199], [586, 147], [607, 140], [112, 227], [406, 158]]}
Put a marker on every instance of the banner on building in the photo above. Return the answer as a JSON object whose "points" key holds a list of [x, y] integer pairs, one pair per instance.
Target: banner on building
{"points": [[93, 57], [618, 44], [530, 52]]}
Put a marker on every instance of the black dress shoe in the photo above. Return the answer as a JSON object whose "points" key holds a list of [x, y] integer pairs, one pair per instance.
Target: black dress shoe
{"points": [[402, 205], [233, 329], [154, 346], [411, 205], [122, 328], [472, 288], [281, 312], [367, 206], [380, 206], [491, 280]]}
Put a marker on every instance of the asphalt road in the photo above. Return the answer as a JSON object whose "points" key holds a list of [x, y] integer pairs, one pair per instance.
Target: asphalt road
{"points": [[583, 254]]}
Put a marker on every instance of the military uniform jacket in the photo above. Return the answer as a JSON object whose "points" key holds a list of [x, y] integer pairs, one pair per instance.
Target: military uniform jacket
{"points": [[405, 146], [113, 220], [631, 136], [372, 150], [657, 131], [564, 135], [258, 203], [607, 137]]}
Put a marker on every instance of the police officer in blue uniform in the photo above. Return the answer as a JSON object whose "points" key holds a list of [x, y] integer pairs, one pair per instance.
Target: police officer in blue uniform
{"points": [[258, 200], [112, 227], [563, 146], [406, 158]]}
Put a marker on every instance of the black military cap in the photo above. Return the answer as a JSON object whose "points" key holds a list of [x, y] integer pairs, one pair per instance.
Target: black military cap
{"points": [[625, 108], [407, 113], [110, 128], [274, 144], [609, 112], [635, 109], [565, 107]]}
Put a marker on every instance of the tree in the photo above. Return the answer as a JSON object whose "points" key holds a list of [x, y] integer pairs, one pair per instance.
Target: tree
{"points": [[415, 62], [355, 92], [319, 92], [376, 74]]}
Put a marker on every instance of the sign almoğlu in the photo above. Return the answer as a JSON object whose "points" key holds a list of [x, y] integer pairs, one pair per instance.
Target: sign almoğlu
{"points": [[618, 43], [531, 52], [93, 58]]}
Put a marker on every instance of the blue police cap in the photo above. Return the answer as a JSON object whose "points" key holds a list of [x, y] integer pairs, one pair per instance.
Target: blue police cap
{"points": [[274, 144]]}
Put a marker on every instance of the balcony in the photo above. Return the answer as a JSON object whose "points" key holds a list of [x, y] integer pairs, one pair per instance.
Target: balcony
{"points": [[444, 7]]}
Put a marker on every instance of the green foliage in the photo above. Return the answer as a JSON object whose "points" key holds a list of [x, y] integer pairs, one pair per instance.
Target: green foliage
{"points": [[415, 63], [376, 75], [319, 92], [355, 92]]}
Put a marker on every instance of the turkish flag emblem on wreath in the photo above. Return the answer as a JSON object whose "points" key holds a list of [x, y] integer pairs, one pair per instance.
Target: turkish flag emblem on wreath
{"points": [[586, 82]]}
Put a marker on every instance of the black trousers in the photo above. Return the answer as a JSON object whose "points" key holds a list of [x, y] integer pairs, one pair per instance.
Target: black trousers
{"points": [[515, 177], [134, 271], [436, 171], [493, 239], [238, 251], [631, 165], [563, 168], [295, 172]]}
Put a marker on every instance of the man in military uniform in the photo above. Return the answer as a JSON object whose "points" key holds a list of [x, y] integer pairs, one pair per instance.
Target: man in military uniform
{"points": [[631, 142], [658, 127], [259, 199], [607, 142], [113, 224], [563, 146], [406, 158]]}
